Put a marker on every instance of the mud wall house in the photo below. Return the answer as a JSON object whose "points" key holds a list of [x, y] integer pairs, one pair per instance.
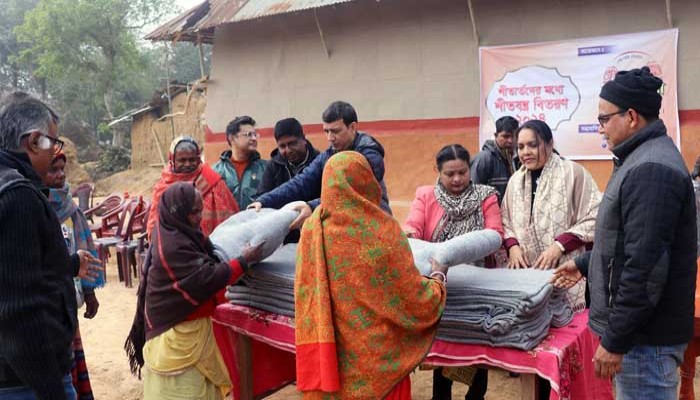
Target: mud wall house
{"points": [[410, 67], [153, 126]]}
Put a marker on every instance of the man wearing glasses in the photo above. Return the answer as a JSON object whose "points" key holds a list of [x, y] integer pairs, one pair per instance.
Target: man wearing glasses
{"points": [[38, 310], [641, 271], [241, 167]]}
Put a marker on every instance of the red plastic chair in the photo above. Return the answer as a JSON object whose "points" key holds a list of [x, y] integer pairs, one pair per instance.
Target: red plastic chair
{"points": [[124, 216], [83, 192], [109, 211], [127, 261]]}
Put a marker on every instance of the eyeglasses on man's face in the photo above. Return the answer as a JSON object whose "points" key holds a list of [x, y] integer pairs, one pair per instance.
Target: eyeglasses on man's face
{"points": [[603, 119], [249, 134], [56, 143]]}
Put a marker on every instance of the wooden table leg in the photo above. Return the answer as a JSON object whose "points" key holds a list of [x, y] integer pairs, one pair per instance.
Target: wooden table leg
{"points": [[688, 371], [529, 387], [244, 355]]}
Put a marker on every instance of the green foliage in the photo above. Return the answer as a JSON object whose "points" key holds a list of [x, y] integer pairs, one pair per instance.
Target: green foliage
{"points": [[85, 58], [12, 14], [111, 160]]}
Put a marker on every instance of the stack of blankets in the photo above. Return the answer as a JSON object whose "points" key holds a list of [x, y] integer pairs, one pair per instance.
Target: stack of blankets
{"points": [[497, 307]]}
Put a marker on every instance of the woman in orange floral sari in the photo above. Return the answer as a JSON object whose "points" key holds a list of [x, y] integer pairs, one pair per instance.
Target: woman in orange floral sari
{"points": [[365, 317]]}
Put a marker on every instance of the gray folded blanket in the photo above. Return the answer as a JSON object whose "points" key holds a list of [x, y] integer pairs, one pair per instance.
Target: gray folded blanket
{"points": [[497, 307]]}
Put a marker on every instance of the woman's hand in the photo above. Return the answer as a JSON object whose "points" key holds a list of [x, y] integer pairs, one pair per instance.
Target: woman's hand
{"points": [[516, 258], [90, 267], [439, 270], [252, 254], [566, 275], [549, 258], [304, 212]]}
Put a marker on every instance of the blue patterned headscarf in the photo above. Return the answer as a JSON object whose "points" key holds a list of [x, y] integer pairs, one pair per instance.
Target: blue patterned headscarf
{"points": [[65, 207]]}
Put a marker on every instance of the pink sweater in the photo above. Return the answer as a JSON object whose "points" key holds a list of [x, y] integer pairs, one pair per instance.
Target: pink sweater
{"points": [[425, 213]]}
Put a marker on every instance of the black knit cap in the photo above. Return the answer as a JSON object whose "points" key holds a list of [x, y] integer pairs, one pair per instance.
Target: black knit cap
{"points": [[637, 89]]}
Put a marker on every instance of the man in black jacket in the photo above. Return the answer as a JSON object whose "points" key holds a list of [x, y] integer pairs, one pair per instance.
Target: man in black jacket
{"points": [[292, 155], [494, 164], [641, 272], [37, 296]]}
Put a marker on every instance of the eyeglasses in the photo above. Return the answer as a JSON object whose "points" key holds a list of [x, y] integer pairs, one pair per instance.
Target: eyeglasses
{"points": [[249, 134], [603, 119], [57, 143]]}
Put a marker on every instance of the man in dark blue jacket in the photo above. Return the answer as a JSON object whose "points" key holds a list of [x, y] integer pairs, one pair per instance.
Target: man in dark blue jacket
{"points": [[340, 126], [641, 272]]}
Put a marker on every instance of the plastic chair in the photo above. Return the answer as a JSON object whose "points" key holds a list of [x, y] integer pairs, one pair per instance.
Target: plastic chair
{"points": [[83, 192], [124, 216], [107, 209], [126, 250]]}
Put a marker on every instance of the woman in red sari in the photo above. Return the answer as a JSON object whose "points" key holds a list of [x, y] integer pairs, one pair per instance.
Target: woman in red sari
{"points": [[365, 317]]}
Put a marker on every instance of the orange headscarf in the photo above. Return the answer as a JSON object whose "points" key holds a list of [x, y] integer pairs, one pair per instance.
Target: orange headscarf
{"points": [[219, 203], [365, 317]]}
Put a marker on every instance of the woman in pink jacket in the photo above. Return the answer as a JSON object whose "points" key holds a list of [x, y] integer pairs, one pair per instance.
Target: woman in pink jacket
{"points": [[452, 207]]}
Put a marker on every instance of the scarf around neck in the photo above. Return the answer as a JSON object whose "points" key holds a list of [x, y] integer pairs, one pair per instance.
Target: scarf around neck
{"points": [[463, 213], [65, 208]]}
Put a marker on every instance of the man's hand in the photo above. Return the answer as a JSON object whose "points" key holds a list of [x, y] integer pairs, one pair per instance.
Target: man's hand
{"points": [[606, 364], [91, 305], [516, 258], [252, 254], [410, 232], [90, 267], [566, 275], [304, 212], [549, 258], [257, 206]]}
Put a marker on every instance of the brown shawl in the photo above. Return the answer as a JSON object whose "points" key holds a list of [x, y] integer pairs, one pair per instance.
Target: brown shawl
{"points": [[180, 273]]}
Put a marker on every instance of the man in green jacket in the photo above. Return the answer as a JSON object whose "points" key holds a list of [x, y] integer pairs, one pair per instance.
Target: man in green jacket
{"points": [[241, 167]]}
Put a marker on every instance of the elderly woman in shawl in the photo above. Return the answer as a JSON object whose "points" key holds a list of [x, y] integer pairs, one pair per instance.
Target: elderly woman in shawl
{"points": [[77, 235], [185, 165], [365, 317], [452, 207], [182, 283], [549, 208]]}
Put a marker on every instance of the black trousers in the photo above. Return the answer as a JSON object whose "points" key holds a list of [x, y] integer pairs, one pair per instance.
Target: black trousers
{"points": [[442, 387]]}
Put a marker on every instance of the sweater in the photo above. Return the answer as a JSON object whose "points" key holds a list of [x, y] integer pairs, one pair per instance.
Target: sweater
{"points": [[38, 310]]}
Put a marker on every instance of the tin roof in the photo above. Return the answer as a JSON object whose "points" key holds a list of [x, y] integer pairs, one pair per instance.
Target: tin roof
{"points": [[198, 23]]}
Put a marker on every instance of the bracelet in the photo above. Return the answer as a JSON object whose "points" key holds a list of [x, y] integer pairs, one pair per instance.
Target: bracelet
{"points": [[444, 277], [561, 246]]}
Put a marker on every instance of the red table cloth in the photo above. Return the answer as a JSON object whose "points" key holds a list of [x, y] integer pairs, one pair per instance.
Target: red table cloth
{"points": [[564, 357]]}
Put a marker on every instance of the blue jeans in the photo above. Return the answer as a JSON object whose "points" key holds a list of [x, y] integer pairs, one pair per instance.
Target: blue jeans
{"points": [[650, 373], [25, 393]]}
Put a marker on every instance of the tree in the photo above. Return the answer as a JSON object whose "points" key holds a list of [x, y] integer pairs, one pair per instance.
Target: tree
{"points": [[87, 48], [11, 15]]}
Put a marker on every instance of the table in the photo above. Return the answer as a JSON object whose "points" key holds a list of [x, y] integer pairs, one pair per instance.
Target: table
{"points": [[564, 358], [693, 351]]}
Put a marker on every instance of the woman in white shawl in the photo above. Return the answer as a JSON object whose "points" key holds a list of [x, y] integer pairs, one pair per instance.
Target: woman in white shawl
{"points": [[549, 208]]}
